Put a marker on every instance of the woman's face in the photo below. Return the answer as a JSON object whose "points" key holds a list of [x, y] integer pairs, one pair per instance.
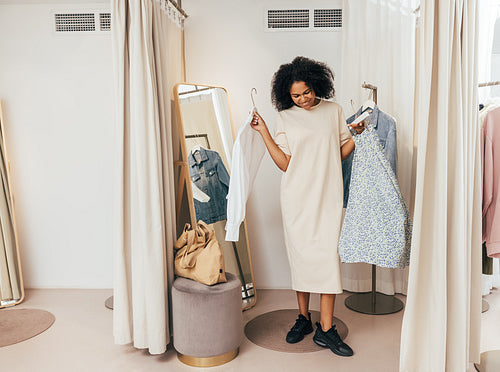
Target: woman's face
{"points": [[302, 95]]}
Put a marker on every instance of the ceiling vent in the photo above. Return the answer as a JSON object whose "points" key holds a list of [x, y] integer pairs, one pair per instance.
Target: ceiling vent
{"points": [[303, 20], [86, 22], [72, 22], [105, 21], [285, 19], [328, 18]]}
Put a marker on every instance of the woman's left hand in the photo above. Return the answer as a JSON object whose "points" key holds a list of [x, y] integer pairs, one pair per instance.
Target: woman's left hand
{"points": [[360, 127]]}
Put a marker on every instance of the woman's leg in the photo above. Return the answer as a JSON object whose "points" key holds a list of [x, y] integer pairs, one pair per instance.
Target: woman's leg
{"points": [[327, 303], [328, 336], [303, 300]]}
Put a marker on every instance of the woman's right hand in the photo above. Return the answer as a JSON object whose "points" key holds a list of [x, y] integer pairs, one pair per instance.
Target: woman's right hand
{"points": [[258, 123]]}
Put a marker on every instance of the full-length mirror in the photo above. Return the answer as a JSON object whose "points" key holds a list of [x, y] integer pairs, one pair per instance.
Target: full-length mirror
{"points": [[11, 284], [206, 136]]}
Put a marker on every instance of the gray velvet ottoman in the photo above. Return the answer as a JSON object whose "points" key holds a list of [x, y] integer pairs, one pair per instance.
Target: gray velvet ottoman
{"points": [[207, 321]]}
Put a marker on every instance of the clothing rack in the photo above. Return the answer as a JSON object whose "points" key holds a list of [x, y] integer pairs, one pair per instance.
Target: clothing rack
{"points": [[205, 136], [490, 357], [373, 302], [196, 90], [373, 88], [485, 304], [488, 84]]}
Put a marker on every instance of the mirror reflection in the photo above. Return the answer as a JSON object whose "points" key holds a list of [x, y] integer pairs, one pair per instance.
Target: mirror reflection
{"points": [[205, 124], [11, 287]]}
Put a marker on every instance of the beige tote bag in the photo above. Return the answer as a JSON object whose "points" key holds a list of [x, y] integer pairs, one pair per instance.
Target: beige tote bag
{"points": [[199, 255]]}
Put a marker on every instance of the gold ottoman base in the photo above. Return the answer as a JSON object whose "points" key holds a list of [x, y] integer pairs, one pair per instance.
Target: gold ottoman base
{"points": [[209, 361]]}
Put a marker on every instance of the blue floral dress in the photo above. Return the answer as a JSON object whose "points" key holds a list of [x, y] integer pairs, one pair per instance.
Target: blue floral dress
{"points": [[377, 226]]}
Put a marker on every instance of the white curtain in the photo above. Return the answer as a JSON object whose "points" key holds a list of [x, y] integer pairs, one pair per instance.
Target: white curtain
{"points": [[441, 323], [488, 12], [378, 47], [221, 108], [147, 61]]}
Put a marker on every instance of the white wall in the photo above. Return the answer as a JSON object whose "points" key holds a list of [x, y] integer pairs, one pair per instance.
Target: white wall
{"points": [[226, 45], [56, 92], [495, 61]]}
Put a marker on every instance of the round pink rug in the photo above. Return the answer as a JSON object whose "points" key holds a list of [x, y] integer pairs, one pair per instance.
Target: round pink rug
{"points": [[269, 331], [18, 325]]}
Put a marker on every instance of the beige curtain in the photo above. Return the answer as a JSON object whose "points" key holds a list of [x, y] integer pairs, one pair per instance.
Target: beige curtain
{"points": [[441, 324], [147, 60]]}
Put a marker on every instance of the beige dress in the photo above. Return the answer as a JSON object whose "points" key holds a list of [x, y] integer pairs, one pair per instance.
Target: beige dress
{"points": [[312, 193]]}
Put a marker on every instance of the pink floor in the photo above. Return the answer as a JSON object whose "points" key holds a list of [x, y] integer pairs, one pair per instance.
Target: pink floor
{"points": [[81, 339]]}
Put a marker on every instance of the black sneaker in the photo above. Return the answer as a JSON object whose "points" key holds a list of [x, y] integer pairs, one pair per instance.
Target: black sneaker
{"points": [[302, 327], [332, 340]]}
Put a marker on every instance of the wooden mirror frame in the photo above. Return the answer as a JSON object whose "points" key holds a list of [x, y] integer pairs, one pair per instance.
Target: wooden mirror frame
{"points": [[14, 227], [185, 178]]}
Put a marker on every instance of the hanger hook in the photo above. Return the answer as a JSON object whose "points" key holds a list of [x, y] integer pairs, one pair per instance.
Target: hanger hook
{"points": [[251, 95], [352, 105]]}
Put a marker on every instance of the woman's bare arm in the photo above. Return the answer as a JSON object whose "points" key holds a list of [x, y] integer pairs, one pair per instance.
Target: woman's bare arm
{"points": [[279, 157]]}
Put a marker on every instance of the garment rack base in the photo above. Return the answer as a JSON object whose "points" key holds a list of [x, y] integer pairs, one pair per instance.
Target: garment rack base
{"points": [[490, 361], [109, 303], [366, 303], [485, 306]]}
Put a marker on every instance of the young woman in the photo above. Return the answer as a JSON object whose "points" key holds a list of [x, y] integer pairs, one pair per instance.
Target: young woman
{"points": [[311, 140]]}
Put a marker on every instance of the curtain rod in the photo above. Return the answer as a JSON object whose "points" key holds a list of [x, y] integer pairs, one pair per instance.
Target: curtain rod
{"points": [[178, 7], [488, 84]]}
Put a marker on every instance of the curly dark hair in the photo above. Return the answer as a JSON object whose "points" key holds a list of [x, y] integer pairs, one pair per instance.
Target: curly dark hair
{"points": [[317, 76]]}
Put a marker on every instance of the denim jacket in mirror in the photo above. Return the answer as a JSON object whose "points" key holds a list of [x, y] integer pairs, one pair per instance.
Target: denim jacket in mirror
{"points": [[385, 128], [209, 174]]}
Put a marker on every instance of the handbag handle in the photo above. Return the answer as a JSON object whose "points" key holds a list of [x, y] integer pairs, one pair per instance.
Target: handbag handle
{"points": [[183, 239], [209, 233]]}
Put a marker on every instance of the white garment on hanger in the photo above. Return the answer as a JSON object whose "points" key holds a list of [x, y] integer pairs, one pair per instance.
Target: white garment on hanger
{"points": [[368, 104], [198, 194], [196, 147], [248, 151]]}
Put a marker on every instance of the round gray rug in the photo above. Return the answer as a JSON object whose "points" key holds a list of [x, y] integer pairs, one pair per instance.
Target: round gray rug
{"points": [[18, 325], [269, 331]]}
